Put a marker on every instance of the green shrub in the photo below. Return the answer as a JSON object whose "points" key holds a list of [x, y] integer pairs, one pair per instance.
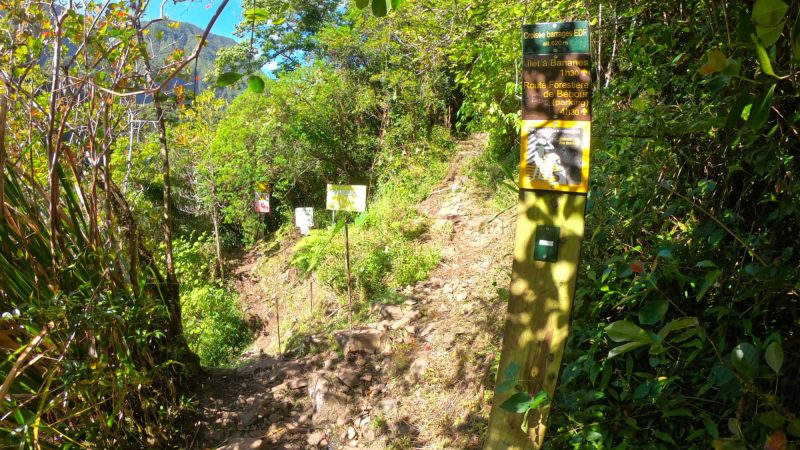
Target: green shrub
{"points": [[194, 259], [372, 269], [412, 264], [214, 325]]}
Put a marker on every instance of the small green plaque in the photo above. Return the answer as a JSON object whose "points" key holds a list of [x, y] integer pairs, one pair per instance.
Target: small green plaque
{"points": [[555, 38], [545, 244]]}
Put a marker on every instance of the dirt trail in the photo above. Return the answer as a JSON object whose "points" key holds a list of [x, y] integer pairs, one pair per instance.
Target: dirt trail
{"points": [[415, 378]]}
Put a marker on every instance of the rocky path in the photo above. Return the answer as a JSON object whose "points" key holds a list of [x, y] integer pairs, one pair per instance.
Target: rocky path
{"points": [[416, 378]]}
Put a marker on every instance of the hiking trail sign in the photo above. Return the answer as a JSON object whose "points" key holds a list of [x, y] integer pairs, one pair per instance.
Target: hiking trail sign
{"points": [[553, 181], [346, 197], [261, 204], [304, 219], [556, 108]]}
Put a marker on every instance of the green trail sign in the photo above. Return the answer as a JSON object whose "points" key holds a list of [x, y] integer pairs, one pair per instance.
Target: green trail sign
{"points": [[550, 38]]}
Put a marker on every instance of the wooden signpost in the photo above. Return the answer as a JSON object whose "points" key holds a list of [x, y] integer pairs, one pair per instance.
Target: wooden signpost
{"points": [[347, 197], [554, 178]]}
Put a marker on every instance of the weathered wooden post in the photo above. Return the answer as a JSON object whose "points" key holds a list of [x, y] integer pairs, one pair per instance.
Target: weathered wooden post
{"points": [[553, 181]]}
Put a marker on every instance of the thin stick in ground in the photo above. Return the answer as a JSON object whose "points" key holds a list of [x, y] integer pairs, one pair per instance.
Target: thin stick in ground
{"points": [[347, 264]]}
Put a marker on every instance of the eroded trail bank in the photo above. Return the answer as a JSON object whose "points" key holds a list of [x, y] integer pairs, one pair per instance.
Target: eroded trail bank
{"points": [[416, 376]]}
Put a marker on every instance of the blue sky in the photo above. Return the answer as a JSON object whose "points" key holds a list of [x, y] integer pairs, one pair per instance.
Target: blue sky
{"points": [[199, 12]]}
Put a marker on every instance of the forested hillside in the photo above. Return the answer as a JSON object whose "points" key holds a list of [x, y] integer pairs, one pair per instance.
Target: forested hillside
{"points": [[167, 36], [146, 304]]}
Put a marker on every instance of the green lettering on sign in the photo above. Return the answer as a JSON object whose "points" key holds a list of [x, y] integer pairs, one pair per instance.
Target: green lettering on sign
{"points": [[551, 38]]}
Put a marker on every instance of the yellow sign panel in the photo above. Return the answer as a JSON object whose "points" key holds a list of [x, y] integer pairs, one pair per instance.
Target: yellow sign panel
{"points": [[554, 155], [346, 197]]}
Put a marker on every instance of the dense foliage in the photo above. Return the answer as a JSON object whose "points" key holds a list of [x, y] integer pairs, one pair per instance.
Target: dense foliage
{"points": [[688, 297], [92, 345], [686, 311]]}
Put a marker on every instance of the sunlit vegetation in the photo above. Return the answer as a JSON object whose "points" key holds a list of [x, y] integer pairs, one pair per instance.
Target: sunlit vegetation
{"points": [[115, 246]]}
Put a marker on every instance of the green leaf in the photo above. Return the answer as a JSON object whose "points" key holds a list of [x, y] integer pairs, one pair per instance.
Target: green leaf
{"points": [[255, 84], [732, 69], [539, 399], [772, 419], [760, 111], [522, 402], [710, 426], [256, 15], [624, 348], [593, 436], [796, 38], [396, 3], [794, 428], [228, 78], [768, 13], [279, 21], [665, 437], [524, 425], [509, 378], [653, 312], [361, 4], [679, 412], [624, 331], [517, 403], [380, 7], [708, 282], [716, 62], [762, 56], [735, 427], [769, 35], [706, 264], [744, 358], [641, 391], [774, 356]]}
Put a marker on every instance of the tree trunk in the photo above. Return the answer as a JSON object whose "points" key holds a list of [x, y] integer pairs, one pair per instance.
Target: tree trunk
{"points": [[171, 292], [52, 143], [3, 115]]}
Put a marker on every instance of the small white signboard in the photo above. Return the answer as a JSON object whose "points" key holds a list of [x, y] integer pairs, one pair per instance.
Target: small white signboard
{"points": [[304, 219], [346, 197]]}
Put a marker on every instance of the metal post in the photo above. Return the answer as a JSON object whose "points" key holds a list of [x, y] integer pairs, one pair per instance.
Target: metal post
{"points": [[278, 323], [347, 263]]}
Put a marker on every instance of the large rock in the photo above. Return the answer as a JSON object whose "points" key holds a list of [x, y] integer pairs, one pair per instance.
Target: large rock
{"points": [[328, 398], [418, 368], [349, 376], [407, 319], [315, 439], [365, 340], [392, 312], [253, 413]]}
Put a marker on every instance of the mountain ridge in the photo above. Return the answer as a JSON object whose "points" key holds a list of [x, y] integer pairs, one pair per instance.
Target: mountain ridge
{"points": [[165, 38]]}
